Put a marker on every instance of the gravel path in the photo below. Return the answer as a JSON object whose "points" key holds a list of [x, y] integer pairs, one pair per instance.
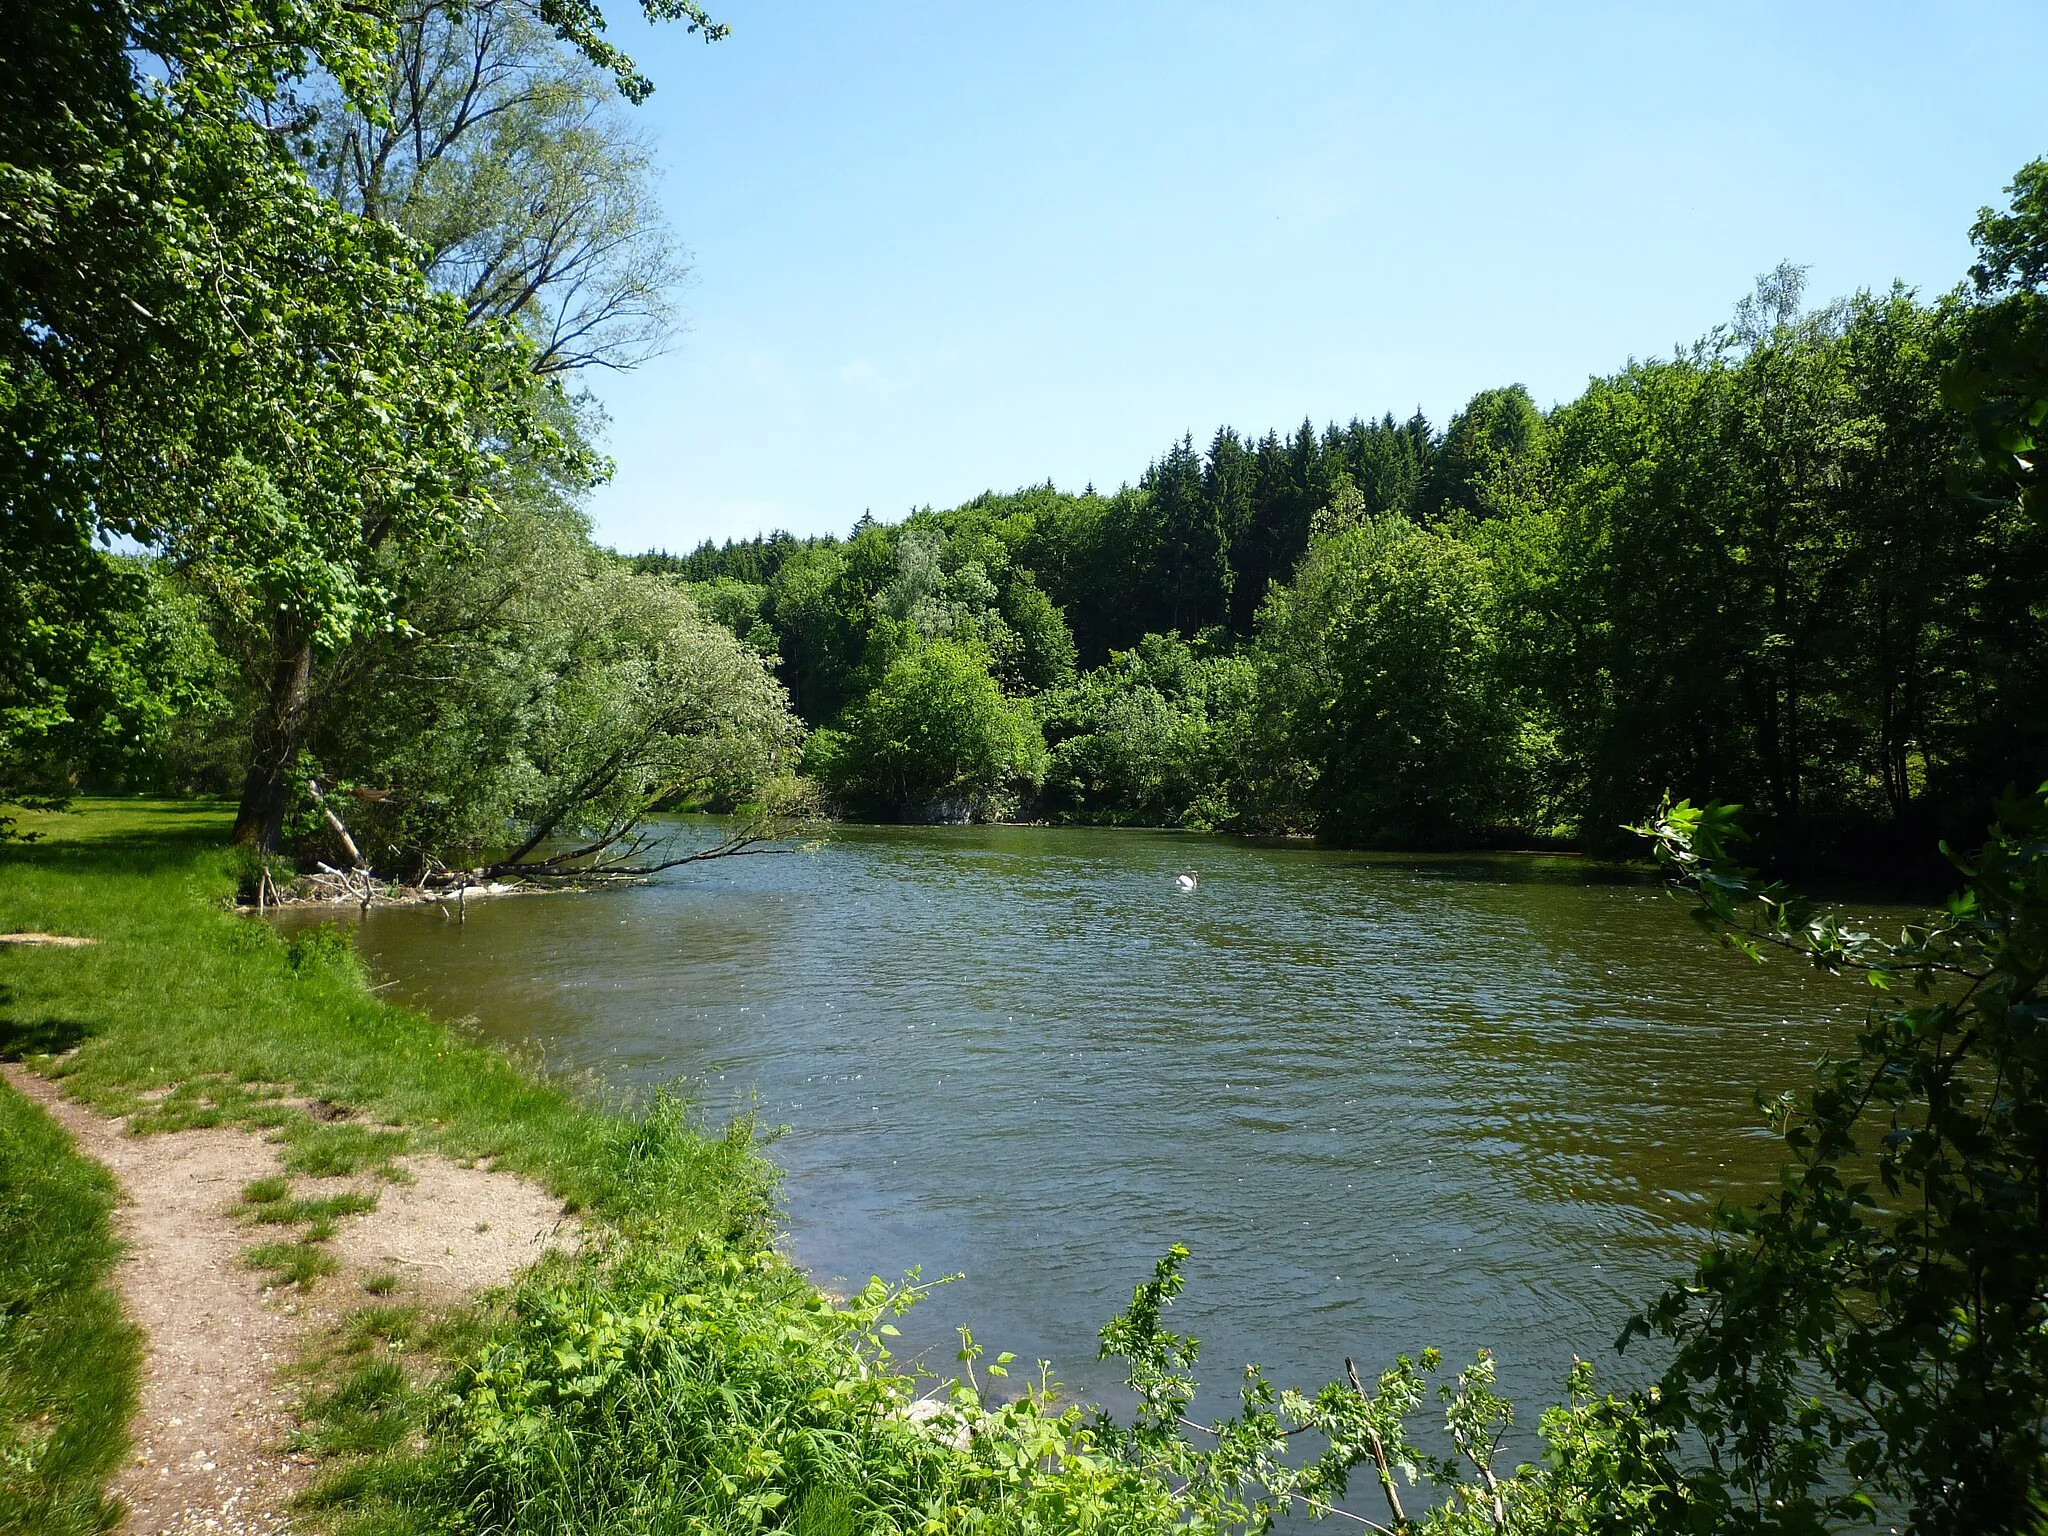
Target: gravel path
{"points": [[215, 1419]]}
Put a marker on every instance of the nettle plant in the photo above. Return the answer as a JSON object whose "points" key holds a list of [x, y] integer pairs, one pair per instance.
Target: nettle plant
{"points": [[1606, 1467]]}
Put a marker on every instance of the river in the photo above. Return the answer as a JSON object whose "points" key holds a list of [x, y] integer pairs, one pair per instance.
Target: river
{"points": [[1387, 1102]]}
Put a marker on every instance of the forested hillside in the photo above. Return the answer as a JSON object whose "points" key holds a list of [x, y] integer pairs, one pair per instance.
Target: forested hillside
{"points": [[294, 466], [1791, 566]]}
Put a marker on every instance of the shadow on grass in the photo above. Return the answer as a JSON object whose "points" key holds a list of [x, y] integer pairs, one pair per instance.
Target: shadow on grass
{"points": [[119, 836], [37, 1037]]}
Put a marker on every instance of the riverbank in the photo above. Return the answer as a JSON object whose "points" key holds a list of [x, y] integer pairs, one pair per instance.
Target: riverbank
{"points": [[675, 1372], [411, 1413]]}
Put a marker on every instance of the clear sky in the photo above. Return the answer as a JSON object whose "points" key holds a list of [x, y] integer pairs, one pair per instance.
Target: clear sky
{"points": [[940, 248]]}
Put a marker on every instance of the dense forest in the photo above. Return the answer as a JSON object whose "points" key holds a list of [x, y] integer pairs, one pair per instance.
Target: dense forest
{"points": [[1779, 567], [1795, 566]]}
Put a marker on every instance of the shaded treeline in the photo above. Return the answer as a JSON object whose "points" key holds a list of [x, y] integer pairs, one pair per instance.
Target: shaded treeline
{"points": [[1779, 567]]}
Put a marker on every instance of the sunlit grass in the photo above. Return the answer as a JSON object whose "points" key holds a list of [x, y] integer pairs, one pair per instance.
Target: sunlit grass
{"points": [[182, 1014], [69, 1361], [186, 1014]]}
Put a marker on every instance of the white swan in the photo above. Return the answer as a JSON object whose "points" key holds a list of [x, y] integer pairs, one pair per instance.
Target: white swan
{"points": [[1184, 882]]}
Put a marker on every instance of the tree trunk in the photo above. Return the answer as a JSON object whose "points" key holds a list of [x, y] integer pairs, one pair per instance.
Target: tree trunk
{"points": [[279, 728]]}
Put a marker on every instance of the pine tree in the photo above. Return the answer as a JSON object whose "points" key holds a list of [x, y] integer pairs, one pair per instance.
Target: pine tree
{"points": [[1191, 576]]}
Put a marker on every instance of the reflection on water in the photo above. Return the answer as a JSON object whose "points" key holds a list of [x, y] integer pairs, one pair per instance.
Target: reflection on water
{"points": [[1386, 1102]]}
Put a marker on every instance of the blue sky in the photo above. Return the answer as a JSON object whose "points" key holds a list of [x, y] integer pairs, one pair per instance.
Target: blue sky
{"points": [[941, 248]]}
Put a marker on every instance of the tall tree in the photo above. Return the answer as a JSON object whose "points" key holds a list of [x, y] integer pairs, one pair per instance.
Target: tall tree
{"points": [[204, 353], [509, 159], [1497, 429], [1191, 553]]}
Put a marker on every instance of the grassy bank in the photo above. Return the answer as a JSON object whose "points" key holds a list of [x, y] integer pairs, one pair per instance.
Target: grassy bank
{"points": [[677, 1373], [211, 1016]]}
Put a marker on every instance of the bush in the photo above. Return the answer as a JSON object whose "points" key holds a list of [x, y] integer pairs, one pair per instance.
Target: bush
{"points": [[1382, 692], [1149, 738], [935, 740]]}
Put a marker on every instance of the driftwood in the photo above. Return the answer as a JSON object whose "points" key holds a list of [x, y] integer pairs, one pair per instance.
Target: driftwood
{"points": [[626, 854], [623, 852], [327, 886], [355, 855]]}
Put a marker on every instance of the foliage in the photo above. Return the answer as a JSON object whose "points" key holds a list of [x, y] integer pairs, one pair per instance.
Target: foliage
{"points": [[2003, 379], [1148, 737], [271, 387], [1382, 696], [1870, 1339], [738, 605], [543, 699], [205, 354], [1759, 584], [70, 1364], [1498, 432], [511, 164], [111, 676], [936, 738], [708, 1383]]}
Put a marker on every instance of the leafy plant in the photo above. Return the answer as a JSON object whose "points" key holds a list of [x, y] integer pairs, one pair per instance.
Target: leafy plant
{"points": [[1871, 1338]]}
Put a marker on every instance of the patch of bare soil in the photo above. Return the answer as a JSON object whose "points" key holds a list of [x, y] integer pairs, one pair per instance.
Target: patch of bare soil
{"points": [[215, 1419], [61, 940]]}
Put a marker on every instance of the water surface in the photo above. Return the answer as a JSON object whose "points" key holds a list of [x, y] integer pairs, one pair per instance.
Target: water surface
{"points": [[1386, 1102]]}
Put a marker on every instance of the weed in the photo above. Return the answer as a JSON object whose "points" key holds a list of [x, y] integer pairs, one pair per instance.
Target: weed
{"points": [[281, 1209], [330, 1151], [383, 1283], [367, 1411], [326, 947], [827, 1512], [298, 1264], [199, 1104]]}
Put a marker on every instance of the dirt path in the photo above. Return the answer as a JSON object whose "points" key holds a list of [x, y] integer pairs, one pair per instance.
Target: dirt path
{"points": [[211, 1434]]}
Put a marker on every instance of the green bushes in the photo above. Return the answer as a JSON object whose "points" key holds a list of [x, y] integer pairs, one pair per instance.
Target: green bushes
{"points": [[706, 1388], [1149, 738], [935, 740], [543, 694], [1383, 698], [1872, 1335], [702, 1389], [69, 1361]]}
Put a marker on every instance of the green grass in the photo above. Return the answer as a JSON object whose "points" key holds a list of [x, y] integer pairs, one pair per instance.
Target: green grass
{"points": [[270, 1201], [185, 1014], [69, 1362], [299, 1263]]}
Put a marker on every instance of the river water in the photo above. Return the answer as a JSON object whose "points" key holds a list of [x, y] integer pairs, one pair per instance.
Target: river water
{"points": [[1387, 1102]]}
